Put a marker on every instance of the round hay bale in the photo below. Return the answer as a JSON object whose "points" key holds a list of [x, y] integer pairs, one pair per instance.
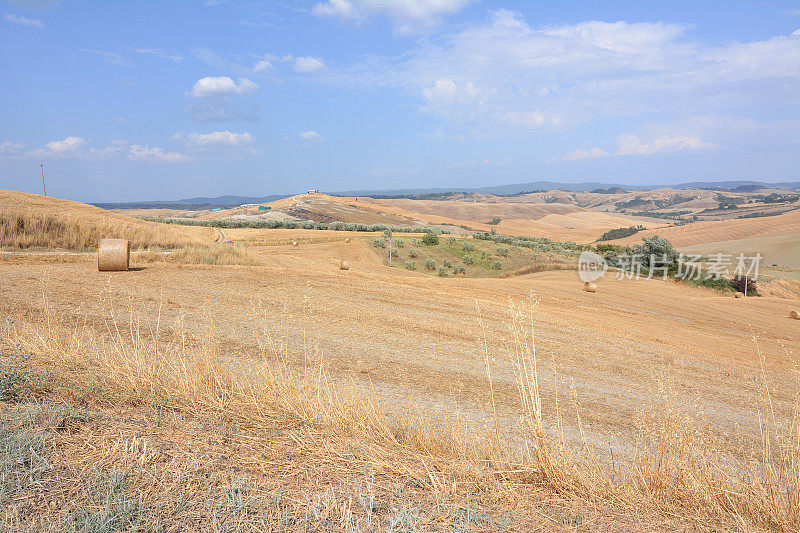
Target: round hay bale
{"points": [[113, 255], [344, 265], [739, 295], [294, 243], [794, 314], [347, 240], [590, 286]]}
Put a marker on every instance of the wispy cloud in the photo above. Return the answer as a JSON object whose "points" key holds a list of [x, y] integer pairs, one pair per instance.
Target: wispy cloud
{"points": [[308, 64], [503, 76], [156, 52], [70, 144], [111, 57], [146, 153], [220, 138], [408, 16], [629, 144], [223, 111], [23, 21], [579, 153], [471, 163], [311, 135], [74, 147]]}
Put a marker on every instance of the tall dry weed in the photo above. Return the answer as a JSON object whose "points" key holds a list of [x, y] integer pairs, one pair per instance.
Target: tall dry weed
{"points": [[677, 471]]}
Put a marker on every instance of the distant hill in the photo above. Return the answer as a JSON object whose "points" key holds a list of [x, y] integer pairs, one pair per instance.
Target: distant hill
{"points": [[192, 204], [499, 190], [203, 202], [517, 188]]}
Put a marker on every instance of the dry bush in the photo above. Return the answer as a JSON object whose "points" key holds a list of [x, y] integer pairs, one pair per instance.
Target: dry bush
{"points": [[82, 228], [677, 473], [208, 254], [54, 223]]}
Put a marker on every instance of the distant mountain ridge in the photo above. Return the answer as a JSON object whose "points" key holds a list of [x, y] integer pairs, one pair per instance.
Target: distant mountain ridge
{"points": [[516, 188], [199, 202], [204, 202]]}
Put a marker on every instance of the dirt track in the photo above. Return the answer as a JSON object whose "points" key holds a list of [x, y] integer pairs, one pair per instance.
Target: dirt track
{"points": [[412, 335]]}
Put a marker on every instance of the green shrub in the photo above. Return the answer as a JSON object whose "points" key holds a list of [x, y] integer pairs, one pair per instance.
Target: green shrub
{"points": [[447, 263], [656, 252], [411, 265], [468, 259], [379, 243], [451, 240], [399, 243], [502, 251], [620, 233], [459, 269], [430, 239], [602, 248], [416, 243], [430, 264], [468, 246], [412, 253], [443, 272], [393, 252], [497, 265], [485, 254]]}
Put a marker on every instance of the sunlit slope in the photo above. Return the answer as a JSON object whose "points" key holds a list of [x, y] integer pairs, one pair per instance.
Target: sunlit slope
{"points": [[32, 220], [777, 238], [532, 217]]}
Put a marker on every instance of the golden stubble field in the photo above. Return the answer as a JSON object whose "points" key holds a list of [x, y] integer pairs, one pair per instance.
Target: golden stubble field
{"points": [[436, 354], [420, 338]]}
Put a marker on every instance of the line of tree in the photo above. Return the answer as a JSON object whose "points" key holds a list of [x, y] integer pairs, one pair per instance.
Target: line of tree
{"points": [[292, 224], [620, 233]]}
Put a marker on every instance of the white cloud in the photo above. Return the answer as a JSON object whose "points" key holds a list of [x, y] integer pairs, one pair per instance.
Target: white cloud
{"points": [[23, 21], [223, 111], [11, 149], [633, 145], [79, 148], [579, 154], [308, 64], [479, 163], [146, 153], [408, 16], [70, 144], [503, 76], [156, 52], [112, 57], [262, 66], [224, 138], [311, 136], [222, 85]]}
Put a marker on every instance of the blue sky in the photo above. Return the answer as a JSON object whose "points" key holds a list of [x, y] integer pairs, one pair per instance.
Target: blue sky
{"points": [[126, 101]]}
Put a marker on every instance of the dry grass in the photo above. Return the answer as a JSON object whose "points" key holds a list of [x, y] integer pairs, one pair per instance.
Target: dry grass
{"points": [[204, 254], [678, 475], [23, 227], [52, 223]]}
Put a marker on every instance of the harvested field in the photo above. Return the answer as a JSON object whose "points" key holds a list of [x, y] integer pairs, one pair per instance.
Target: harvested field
{"points": [[776, 238], [271, 357]]}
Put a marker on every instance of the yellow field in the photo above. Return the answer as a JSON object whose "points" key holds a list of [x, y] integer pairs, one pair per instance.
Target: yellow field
{"points": [[649, 393], [32, 220], [777, 238]]}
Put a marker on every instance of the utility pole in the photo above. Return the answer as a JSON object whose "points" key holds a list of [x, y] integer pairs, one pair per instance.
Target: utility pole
{"points": [[44, 191]]}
